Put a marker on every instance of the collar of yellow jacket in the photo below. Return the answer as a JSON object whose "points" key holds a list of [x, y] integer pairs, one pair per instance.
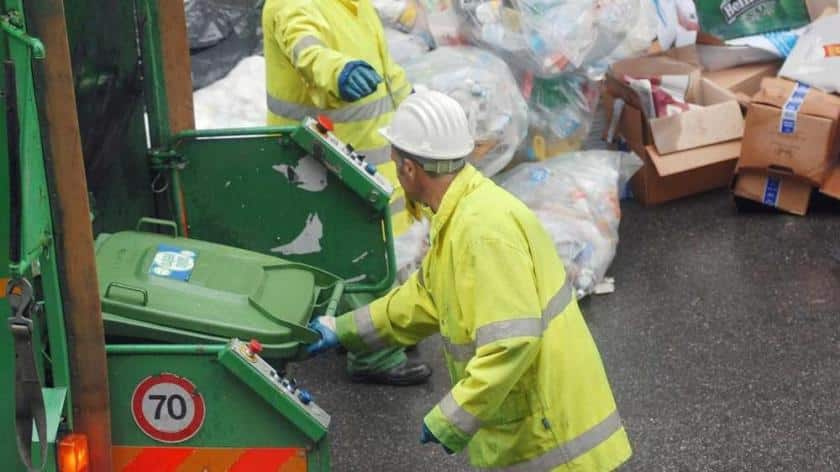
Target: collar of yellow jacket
{"points": [[460, 186]]}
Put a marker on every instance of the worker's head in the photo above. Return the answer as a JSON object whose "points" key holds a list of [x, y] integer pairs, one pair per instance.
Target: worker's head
{"points": [[430, 140]]}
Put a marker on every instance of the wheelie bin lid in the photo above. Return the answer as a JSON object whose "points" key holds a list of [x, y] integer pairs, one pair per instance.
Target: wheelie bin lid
{"points": [[186, 290]]}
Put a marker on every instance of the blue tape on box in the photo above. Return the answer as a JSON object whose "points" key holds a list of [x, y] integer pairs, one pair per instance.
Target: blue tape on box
{"points": [[173, 263], [771, 191], [790, 110]]}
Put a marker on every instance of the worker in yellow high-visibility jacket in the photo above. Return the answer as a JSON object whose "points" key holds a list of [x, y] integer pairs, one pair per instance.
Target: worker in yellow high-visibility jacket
{"points": [[529, 388], [329, 57]]}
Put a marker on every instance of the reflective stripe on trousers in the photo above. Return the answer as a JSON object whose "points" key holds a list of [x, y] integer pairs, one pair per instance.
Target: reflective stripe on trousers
{"points": [[346, 114], [512, 328]]}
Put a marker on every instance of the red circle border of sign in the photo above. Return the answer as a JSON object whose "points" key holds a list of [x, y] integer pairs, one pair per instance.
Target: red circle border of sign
{"points": [[147, 428]]}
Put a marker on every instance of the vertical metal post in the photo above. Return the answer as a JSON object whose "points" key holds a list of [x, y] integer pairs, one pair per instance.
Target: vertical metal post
{"points": [[73, 233]]}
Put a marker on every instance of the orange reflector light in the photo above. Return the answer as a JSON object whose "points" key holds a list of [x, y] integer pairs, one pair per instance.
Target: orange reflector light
{"points": [[73, 453]]}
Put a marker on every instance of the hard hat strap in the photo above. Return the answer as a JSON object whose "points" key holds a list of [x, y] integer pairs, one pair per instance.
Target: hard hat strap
{"points": [[443, 167], [448, 166]]}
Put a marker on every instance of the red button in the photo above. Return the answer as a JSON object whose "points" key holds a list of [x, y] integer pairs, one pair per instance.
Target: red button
{"points": [[325, 123], [255, 346]]}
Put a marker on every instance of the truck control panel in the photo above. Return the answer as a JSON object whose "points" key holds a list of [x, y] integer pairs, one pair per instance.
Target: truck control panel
{"points": [[244, 361], [349, 165]]}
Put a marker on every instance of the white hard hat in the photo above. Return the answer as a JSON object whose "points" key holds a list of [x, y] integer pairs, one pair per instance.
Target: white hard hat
{"points": [[431, 125]]}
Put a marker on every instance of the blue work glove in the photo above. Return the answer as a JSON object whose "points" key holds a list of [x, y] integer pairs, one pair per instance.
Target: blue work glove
{"points": [[426, 437], [325, 326], [357, 80]]}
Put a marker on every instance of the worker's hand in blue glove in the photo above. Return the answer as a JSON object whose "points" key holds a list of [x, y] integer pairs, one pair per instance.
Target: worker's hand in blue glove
{"points": [[357, 80], [426, 437], [325, 326]]}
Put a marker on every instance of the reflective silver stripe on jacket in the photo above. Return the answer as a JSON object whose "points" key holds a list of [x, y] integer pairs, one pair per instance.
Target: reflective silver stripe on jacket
{"points": [[347, 114], [364, 323], [459, 352], [506, 329], [377, 156], [457, 416], [397, 205], [571, 450], [303, 43]]}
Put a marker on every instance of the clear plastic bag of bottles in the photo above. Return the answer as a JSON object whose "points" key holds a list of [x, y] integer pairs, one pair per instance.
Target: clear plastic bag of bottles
{"points": [[484, 85], [576, 197], [549, 37]]}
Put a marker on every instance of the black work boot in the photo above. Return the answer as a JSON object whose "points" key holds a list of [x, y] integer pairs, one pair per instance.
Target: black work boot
{"points": [[407, 373]]}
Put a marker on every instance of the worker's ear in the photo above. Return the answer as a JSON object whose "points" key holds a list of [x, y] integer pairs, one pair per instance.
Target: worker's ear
{"points": [[410, 168]]}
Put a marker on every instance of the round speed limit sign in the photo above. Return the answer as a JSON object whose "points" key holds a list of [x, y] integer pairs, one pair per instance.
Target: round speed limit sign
{"points": [[168, 408]]}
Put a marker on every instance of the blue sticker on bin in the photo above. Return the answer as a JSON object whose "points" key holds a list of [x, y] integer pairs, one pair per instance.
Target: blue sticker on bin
{"points": [[771, 191], [173, 263], [790, 110]]}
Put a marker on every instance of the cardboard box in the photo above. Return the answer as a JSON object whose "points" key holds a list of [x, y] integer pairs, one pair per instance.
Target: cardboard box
{"points": [[744, 81], [831, 186], [805, 145], [816, 8], [784, 192], [718, 120], [684, 154]]}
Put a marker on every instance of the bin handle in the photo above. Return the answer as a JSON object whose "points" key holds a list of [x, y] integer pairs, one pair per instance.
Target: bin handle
{"points": [[129, 288], [335, 297], [146, 221]]}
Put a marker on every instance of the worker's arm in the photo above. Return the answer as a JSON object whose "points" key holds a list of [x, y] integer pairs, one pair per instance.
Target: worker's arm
{"points": [[497, 289], [300, 29], [404, 317]]}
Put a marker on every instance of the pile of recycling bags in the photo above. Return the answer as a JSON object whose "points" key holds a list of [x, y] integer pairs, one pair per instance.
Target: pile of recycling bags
{"points": [[576, 197], [484, 86]]}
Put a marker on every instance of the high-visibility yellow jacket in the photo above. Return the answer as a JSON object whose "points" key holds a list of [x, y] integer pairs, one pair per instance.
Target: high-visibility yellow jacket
{"points": [[530, 391], [307, 45]]}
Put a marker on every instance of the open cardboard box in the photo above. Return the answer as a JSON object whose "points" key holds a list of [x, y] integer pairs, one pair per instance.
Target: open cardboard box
{"points": [[744, 81], [684, 154], [808, 147]]}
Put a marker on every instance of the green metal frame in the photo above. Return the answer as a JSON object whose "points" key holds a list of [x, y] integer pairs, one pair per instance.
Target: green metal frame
{"points": [[38, 257]]}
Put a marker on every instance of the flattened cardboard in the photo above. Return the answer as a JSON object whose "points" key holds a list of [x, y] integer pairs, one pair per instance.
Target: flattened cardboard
{"points": [[685, 161], [790, 194], [715, 56], [744, 80], [816, 8]]}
